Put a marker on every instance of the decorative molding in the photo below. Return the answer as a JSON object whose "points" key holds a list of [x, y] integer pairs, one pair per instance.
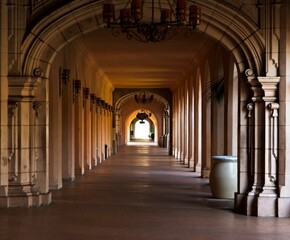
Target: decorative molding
{"points": [[250, 108], [22, 88], [36, 106], [269, 86], [37, 72]]}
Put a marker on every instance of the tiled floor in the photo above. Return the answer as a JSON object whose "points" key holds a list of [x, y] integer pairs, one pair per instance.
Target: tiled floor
{"points": [[139, 194]]}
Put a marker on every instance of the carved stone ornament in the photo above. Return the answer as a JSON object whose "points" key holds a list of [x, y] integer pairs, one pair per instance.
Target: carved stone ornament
{"points": [[36, 106], [37, 72], [250, 108], [249, 72]]}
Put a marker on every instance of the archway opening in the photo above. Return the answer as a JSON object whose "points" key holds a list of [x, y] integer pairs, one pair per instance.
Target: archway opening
{"points": [[142, 130]]}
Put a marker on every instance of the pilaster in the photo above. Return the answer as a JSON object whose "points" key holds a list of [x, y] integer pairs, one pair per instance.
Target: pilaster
{"points": [[79, 135], [93, 135], [3, 101], [261, 200], [28, 158], [87, 134], [98, 129], [68, 134]]}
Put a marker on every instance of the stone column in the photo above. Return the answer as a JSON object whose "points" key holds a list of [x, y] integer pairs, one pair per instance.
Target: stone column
{"points": [[177, 135], [175, 116], [3, 104], [206, 137], [262, 144], [197, 131], [106, 131], [93, 135], [231, 108], [28, 135], [115, 131], [179, 130], [68, 134], [103, 133], [98, 134], [284, 117], [191, 126], [167, 126], [186, 123], [79, 133], [87, 133], [268, 197], [182, 124], [111, 134], [55, 135]]}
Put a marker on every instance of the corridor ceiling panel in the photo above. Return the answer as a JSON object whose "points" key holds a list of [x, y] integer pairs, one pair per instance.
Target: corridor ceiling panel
{"points": [[132, 64]]}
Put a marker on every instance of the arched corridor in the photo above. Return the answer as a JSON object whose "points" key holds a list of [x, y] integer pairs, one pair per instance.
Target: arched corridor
{"points": [[72, 89], [139, 194]]}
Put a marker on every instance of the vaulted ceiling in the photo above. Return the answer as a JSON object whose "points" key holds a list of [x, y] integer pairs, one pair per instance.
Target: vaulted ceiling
{"points": [[132, 64]]}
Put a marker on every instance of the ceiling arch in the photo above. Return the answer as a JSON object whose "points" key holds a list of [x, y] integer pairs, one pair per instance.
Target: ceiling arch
{"points": [[130, 97], [222, 23]]}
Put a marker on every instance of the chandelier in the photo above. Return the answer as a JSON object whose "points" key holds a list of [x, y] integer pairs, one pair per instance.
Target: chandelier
{"points": [[132, 21], [142, 98], [142, 115]]}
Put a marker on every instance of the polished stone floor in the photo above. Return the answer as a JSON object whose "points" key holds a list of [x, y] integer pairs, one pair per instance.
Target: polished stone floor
{"points": [[139, 194]]}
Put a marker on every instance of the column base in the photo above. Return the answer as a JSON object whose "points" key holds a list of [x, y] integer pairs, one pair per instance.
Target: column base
{"points": [[245, 204], [262, 206], [283, 207], [197, 168], [267, 207], [99, 160], [55, 187], [181, 158], [33, 200], [79, 171], [191, 163], [88, 167], [69, 179], [94, 162], [186, 160], [205, 173], [178, 156]]}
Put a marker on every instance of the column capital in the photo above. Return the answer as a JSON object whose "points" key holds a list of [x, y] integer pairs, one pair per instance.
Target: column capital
{"points": [[270, 88], [264, 88], [23, 87]]}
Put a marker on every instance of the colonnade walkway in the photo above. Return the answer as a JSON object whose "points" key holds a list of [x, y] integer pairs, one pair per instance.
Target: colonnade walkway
{"points": [[140, 194]]}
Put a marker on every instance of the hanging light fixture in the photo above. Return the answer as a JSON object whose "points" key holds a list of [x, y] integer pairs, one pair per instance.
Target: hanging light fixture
{"points": [[64, 77], [92, 101], [132, 20], [77, 87], [142, 115], [143, 98]]}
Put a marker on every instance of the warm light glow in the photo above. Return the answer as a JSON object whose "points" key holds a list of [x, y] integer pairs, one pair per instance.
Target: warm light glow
{"points": [[129, 120], [142, 130]]}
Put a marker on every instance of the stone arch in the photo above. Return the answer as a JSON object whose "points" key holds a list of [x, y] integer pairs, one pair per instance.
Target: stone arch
{"points": [[224, 23], [128, 97], [132, 116], [157, 98]]}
